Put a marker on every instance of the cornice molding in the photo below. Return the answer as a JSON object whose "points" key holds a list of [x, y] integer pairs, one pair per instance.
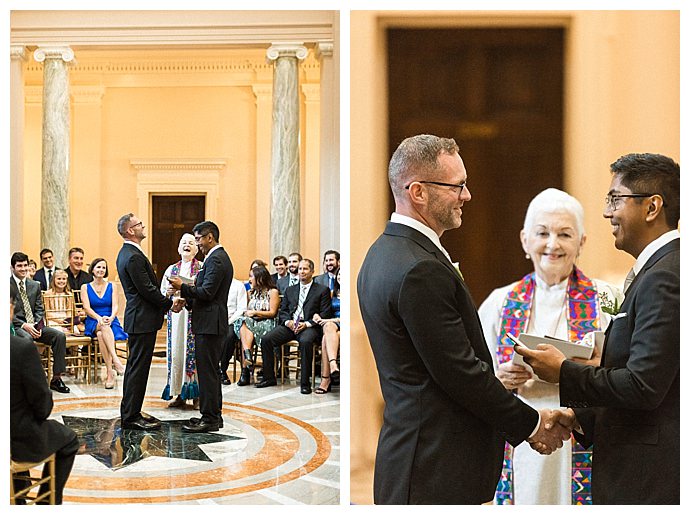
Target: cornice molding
{"points": [[177, 165]]}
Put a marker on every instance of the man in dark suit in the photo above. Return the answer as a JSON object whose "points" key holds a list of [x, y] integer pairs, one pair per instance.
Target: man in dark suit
{"points": [[280, 265], [28, 318], [331, 264], [207, 300], [143, 318], [628, 408], [302, 301], [32, 436], [292, 277], [446, 416], [45, 274]]}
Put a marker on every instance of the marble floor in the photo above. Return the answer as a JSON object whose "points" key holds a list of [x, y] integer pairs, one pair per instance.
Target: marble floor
{"points": [[277, 446]]}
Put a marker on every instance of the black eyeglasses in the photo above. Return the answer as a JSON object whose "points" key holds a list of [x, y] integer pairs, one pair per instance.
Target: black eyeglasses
{"points": [[198, 238], [138, 223], [612, 200], [461, 186]]}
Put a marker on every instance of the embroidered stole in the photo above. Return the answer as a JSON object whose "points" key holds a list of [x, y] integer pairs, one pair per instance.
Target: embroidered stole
{"points": [[583, 317], [190, 386]]}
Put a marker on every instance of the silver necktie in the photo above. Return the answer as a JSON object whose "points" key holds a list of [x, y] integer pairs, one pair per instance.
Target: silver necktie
{"points": [[628, 280]]}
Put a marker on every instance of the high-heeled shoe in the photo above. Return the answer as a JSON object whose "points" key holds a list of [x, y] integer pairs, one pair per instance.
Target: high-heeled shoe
{"points": [[120, 371], [335, 374], [245, 377], [321, 390], [109, 385]]}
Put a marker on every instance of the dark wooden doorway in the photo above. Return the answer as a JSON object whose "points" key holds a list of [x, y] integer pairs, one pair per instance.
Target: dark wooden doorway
{"points": [[172, 216], [499, 93]]}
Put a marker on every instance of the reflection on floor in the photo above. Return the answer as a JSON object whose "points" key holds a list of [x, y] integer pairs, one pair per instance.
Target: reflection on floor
{"points": [[277, 446]]}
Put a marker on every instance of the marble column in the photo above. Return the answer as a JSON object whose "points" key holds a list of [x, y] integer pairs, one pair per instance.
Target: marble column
{"points": [[285, 171], [329, 145], [55, 164], [18, 56]]}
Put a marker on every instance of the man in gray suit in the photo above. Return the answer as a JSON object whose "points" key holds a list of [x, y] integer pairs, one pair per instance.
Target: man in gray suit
{"points": [[447, 417], [28, 318], [628, 408]]}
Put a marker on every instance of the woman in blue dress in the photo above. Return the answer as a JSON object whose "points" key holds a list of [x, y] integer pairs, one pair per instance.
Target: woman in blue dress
{"points": [[100, 301], [330, 373]]}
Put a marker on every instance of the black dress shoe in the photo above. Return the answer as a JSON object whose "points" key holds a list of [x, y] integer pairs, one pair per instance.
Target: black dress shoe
{"points": [[201, 427], [305, 389], [195, 421], [57, 385], [266, 382], [139, 424], [150, 419]]}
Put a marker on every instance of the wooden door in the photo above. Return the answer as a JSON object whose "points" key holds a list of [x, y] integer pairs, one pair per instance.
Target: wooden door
{"points": [[172, 217], [499, 94]]}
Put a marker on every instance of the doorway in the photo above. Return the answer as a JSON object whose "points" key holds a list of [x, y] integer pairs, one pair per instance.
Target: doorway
{"points": [[171, 217], [499, 94]]}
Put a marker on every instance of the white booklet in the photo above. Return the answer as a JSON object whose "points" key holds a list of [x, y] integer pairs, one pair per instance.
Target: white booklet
{"points": [[569, 349]]}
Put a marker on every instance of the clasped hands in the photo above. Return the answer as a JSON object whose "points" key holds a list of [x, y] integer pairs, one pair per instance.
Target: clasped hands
{"points": [[296, 328], [178, 304], [555, 427]]}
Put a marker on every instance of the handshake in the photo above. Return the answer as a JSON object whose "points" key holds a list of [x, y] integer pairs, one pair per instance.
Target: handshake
{"points": [[555, 428], [178, 304]]}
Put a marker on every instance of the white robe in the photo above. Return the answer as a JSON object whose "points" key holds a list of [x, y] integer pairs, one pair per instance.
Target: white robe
{"points": [[539, 479], [178, 335]]}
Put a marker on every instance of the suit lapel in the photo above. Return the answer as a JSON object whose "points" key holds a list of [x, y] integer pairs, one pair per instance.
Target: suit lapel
{"points": [[396, 229]]}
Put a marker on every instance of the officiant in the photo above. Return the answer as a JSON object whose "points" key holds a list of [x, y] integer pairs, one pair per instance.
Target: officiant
{"points": [[556, 299]]}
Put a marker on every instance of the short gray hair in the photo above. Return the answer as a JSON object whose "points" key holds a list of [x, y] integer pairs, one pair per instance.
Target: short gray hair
{"points": [[552, 200], [417, 158], [123, 224]]}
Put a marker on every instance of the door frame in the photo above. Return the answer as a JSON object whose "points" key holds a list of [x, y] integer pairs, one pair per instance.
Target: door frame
{"points": [[176, 177]]}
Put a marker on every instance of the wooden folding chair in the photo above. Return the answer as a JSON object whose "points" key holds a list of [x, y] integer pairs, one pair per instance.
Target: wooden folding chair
{"points": [[290, 352], [28, 493]]}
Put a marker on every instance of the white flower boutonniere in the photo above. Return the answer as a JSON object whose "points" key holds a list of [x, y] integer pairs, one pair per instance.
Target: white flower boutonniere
{"points": [[607, 305]]}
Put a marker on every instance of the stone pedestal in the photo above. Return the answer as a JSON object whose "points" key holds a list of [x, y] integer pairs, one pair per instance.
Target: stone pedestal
{"points": [[55, 165], [285, 172], [18, 56]]}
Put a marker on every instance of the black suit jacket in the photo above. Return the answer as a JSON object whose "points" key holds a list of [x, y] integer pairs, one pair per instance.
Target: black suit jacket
{"points": [[33, 292], [145, 303], [631, 403], [32, 436], [318, 300], [446, 416], [42, 277], [208, 298]]}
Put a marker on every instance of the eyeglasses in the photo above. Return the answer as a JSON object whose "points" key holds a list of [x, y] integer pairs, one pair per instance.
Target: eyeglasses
{"points": [[612, 200], [138, 223], [461, 186], [198, 238]]}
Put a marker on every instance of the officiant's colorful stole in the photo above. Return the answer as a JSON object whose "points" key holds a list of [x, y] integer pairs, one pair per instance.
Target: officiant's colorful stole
{"points": [[583, 317], [190, 386]]}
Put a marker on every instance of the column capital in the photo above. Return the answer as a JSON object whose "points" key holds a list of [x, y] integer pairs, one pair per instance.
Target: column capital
{"points": [[324, 49], [18, 53], [54, 52], [288, 49]]}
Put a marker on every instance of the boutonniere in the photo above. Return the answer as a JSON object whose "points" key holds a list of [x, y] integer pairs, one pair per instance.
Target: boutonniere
{"points": [[456, 265], [607, 305]]}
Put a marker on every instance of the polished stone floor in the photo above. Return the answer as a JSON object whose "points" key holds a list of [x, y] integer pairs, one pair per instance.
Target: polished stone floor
{"points": [[277, 446]]}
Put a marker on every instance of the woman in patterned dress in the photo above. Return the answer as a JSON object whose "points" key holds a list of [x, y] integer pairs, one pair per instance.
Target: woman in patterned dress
{"points": [[182, 382], [263, 302], [557, 300]]}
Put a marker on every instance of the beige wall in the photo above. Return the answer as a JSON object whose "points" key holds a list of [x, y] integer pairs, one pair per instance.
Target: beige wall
{"points": [[622, 95]]}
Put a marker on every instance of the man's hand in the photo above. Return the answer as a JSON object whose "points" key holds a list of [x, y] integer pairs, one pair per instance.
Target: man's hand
{"points": [[555, 428], [594, 361], [512, 376], [29, 328], [178, 304], [300, 327], [546, 361], [175, 282]]}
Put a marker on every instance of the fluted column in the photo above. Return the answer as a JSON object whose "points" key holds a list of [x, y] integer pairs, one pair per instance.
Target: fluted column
{"points": [[55, 152], [18, 55], [329, 161], [285, 173]]}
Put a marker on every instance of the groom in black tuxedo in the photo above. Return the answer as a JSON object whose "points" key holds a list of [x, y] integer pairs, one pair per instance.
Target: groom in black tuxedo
{"points": [[629, 407], [447, 417], [207, 301], [143, 318]]}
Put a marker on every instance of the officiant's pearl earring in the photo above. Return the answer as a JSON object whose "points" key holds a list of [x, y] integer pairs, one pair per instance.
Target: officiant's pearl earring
{"points": [[526, 256]]}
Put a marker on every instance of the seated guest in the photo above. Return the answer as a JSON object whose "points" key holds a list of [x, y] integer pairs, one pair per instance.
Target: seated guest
{"points": [[32, 436], [32, 269], [28, 318], [45, 274], [100, 300], [331, 263], [330, 373], [295, 322], [263, 301], [75, 275], [62, 303], [280, 265], [291, 278], [237, 304], [255, 263]]}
